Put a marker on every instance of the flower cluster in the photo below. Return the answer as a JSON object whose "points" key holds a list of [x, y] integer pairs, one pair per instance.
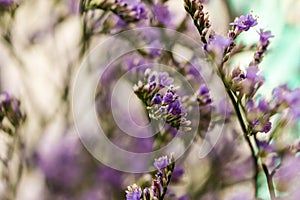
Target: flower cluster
{"points": [[128, 11], [254, 112], [165, 166], [243, 23], [161, 100], [61, 166]]}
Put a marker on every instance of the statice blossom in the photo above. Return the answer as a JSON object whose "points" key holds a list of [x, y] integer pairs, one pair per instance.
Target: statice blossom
{"points": [[244, 23], [254, 112], [162, 162], [128, 11], [134, 192], [161, 104], [159, 185]]}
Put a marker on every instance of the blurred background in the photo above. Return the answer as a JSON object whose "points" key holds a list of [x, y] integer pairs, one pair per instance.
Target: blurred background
{"points": [[40, 54]]}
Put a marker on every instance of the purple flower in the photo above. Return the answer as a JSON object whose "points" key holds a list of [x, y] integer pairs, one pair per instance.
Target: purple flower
{"points": [[264, 36], [174, 108], [161, 14], [134, 192], [263, 106], [287, 176], [168, 97], [140, 11], [164, 80], [252, 82], [216, 46], [203, 96], [286, 98], [244, 23], [177, 174], [154, 48], [184, 197], [219, 42], [61, 164], [162, 162], [157, 99], [266, 127], [203, 90], [258, 116], [6, 3]]}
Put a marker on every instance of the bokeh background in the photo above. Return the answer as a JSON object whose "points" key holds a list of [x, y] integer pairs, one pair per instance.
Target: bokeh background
{"points": [[40, 56]]}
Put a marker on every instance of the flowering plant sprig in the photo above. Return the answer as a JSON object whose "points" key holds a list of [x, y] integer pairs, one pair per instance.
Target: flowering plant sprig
{"points": [[253, 112], [128, 11], [162, 104], [165, 166]]}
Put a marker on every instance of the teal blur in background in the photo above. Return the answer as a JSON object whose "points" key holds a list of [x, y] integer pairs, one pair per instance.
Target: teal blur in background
{"points": [[282, 62], [282, 17]]}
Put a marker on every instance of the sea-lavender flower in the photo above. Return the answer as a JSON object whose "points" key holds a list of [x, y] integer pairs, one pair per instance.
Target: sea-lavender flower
{"points": [[128, 11], [258, 116], [162, 162], [161, 14], [162, 105], [264, 36], [164, 80], [287, 176], [133, 192], [244, 23], [203, 96], [284, 98], [216, 46], [169, 97], [267, 152], [252, 82], [237, 78], [158, 190], [61, 165], [262, 46], [157, 99]]}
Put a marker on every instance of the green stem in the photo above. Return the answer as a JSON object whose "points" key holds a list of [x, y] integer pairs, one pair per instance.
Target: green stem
{"points": [[244, 129]]}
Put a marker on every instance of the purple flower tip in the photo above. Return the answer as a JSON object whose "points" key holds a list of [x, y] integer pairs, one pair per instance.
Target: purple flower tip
{"points": [[244, 23], [219, 41], [161, 13], [134, 192], [6, 2], [174, 108], [168, 97], [263, 105], [164, 79], [267, 127], [162, 162], [264, 36], [203, 90], [157, 99]]}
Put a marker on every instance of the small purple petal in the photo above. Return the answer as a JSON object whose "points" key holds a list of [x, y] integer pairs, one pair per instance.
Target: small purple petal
{"points": [[244, 23], [162, 162], [264, 36]]}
